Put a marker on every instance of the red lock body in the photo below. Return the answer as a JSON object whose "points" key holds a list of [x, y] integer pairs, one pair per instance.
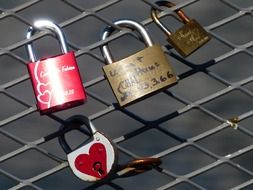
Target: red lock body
{"points": [[57, 83], [56, 80], [96, 158]]}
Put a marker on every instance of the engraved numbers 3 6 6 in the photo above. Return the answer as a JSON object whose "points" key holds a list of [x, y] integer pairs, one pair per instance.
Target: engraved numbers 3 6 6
{"points": [[162, 78]]}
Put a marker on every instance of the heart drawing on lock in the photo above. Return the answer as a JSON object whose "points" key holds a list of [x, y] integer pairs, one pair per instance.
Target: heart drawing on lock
{"points": [[45, 97], [42, 87], [94, 163], [45, 93]]}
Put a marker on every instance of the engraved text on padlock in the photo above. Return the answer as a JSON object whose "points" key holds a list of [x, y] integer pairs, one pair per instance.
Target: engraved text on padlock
{"points": [[140, 74], [188, 38]]}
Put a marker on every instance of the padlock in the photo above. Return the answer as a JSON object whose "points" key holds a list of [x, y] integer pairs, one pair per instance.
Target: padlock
{"points": [[186, 39], [95, 159], [56, 80], [141, 74]]}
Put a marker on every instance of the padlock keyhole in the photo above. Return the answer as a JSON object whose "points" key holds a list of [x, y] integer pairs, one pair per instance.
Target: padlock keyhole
{"points": [[97, 166]]}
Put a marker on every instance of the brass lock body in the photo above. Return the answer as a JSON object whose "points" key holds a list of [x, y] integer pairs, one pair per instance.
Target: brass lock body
{"points": [[189, 38], [140, 74], [186, 39]]}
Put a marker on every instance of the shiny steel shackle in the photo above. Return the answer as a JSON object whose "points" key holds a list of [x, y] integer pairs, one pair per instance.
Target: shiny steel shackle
{"points": [[45, 24], [125, 23]]}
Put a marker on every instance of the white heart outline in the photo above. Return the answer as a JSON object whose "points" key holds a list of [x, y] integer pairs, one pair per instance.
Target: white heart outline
{"points": [[39, 84], [42, 94]]}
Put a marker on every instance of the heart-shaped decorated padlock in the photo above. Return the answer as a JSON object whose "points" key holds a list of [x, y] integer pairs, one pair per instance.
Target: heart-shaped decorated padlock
{"points": [[96, 158]]}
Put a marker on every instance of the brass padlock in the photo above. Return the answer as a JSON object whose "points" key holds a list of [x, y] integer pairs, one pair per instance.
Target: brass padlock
{"points": [[140, 74], [186, 39]]}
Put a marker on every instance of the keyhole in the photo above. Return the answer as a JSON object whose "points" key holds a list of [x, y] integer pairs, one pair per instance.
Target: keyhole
{"points": [[97, 166]]}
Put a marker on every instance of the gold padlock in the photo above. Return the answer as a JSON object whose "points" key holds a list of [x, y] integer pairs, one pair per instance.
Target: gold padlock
{"points": [[186, 39], [140, 74]]}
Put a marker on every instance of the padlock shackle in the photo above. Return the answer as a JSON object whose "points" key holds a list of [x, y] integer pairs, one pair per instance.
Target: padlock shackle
{"points": [[45, 24], [74, 122], [182, 16], [124, 23], [29, 47]]}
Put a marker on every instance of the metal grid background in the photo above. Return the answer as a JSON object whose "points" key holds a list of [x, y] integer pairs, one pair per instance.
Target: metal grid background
{"points": [[186, 125]]}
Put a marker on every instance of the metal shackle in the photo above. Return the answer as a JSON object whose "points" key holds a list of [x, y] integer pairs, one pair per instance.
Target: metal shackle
{"points": [[124, 23], [183, 18], [45, 24], [75, 122]]}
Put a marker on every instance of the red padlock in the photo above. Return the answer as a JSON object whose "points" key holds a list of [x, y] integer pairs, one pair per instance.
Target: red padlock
{"points": [[96, 158], [56, 80]]}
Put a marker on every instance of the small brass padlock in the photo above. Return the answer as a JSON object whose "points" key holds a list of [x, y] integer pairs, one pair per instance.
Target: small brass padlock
{"points": [[140, 74], [186, 39]]}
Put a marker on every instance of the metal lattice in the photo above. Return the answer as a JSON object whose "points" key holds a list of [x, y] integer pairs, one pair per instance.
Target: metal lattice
{"points": [[187, 125]]}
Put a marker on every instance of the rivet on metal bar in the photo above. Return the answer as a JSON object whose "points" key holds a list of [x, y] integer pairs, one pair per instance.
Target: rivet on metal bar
{"points": [[233, 122]]}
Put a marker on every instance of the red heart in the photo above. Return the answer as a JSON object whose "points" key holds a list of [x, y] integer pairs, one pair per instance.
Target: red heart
{"points": [[44, 87], [45, 97], [94, 163]]}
